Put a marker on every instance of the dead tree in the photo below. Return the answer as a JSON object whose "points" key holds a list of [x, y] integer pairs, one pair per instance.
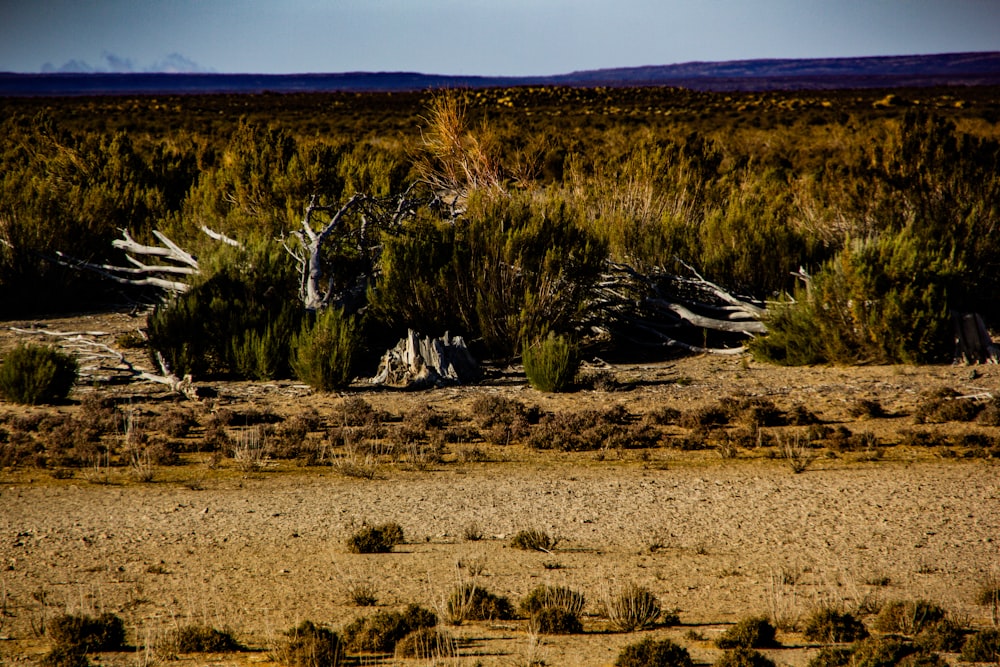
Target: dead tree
{"points": [[422, 361]]}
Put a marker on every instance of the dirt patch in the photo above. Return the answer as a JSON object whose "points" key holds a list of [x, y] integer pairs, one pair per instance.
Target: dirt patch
{"points": [[716, 533]]}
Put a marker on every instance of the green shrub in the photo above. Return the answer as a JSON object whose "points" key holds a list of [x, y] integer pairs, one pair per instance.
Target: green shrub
{"points": [[310, 645], [827, 625], [375, 539], [471, 602], [652, 653], [323, 352], [533, 540], [201, 639], [551, 363], [87, 634], [380, 632], [555, 621], [427, 644], [37, 374], [632, 607], [982, 646], [754, 632], [743, 657], [908, 617]]}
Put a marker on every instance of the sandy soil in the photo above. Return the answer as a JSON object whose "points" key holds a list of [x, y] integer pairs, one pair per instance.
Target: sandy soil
{"points": [[716, 539]]}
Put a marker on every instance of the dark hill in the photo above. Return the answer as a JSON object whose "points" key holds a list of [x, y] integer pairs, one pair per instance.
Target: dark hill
{"points": [[821, 73]]}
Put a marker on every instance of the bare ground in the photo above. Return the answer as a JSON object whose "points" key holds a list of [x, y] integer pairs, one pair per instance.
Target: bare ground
{"points": [[716, 539]]}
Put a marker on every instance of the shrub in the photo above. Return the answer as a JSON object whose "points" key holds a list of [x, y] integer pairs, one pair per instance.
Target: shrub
{"points": [[37, 374], [551, 363], [310, 645], [830, 626], [201, 639], [87, 634], [908, 617], [546, 597], [754, 632], [982, 646], [323, 352], [944, 635], [879, 652], [375, 539], [989, 596], [832, 656], [744, 657], [533, 540], [632, 607], [944, 405], [471, 602], [381, 631], [62, 656], [652, 653], [427, 644], [555, 621]]}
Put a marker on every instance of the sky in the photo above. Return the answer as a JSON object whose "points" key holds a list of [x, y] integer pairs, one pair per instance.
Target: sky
{"points": [[472, 37]]}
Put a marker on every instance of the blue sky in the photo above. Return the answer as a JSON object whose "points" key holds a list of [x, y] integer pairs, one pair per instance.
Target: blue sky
{"points": [[488, 37]]}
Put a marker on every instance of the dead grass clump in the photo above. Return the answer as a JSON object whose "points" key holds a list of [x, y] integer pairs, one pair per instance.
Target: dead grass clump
{"points": [[795, 452], [753, 412], [309, 645], [945, 405], [534, 540], [375, 539], [632, 607], [426, 418], [600, 381], [472, 454], [175, 423], [921, 438], [356, 411]]}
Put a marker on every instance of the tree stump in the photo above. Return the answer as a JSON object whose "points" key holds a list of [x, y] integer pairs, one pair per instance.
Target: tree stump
{"points": [[422, 361]]}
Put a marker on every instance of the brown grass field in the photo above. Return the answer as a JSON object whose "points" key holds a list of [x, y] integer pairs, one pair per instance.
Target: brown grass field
{"points": [[714, 521]]}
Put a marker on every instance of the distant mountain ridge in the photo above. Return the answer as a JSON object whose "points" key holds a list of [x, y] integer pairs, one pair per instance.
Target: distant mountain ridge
{"points": [[977, 68]]}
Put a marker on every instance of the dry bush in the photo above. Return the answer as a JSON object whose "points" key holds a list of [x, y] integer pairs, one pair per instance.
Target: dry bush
{"points": [[664, 416], [866, 408], [200, 639], [830, 626], [945, 405], [654, 653], [743, 657], [631, 607], [534, 540], [431, 644], [545, 596], [375, 539], [982, 646], [708, 416], [381, 631], [309, 645], [86, 634], [471, 602], [908, 617], [795, 453], [752, 632]]}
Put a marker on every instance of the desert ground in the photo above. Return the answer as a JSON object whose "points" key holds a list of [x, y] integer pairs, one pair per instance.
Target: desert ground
{"points": [[717, 533]]}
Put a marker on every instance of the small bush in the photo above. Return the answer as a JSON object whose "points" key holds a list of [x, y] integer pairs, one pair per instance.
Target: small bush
{"points": [[633, 607], [832, 656], [944, 635], [830, 626], [547, 597], [652, 653], [323, 352], [36, 375], [982, 646], [866, 408], [380, 632], [908, 617], [744, 657], [878, 652], [555, 621], [87, 634], [551, 363], [375, 539], [62, 656], [201, 639], [754, 632], [427, 644], [533, 540], [470, 602], [310, 645]]}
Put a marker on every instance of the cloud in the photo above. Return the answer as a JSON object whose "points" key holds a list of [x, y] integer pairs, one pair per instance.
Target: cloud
{"points": [[174, 63]]}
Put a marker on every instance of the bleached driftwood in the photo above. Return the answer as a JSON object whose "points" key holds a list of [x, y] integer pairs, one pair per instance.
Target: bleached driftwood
{"points": [[99, 360], [421, 361]]}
